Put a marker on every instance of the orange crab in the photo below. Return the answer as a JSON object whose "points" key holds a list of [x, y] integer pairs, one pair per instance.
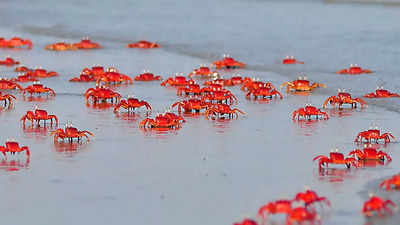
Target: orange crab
{"points": [[190, 105], [391, 183], [354, 70], [113, 76], [310, 197], [378, 205], [373, 134], [163, 121], [60, 46], [38, 88], [335, 158], [250, 84], [41, 73], [86, 43], [191, 89], [13, 147], [143, 44], [228, 62], [301, 84], [263, 92], [291, 60], [233, 81], [221, 110], [101, 93], [223, 96], [246, 222], [147, 76], [9, 62], [7, 99], [179, 80], [204, 72], [83, 77], [300, 215], [381, 93], [344, 98], [132, 103], [16, 42], [21, 68], [24, 78], [309, 111], [9, 85], [279, 206], [96, 70], [70, 133], [370, 154], [39, 115]]}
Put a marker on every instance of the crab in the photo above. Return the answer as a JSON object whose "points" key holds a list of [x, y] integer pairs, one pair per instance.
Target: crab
{"points": [[13, 147], [101, 93], [370, 153], [301, 84], [179, 80], [279, 206], [246, 222], [213, 88], [86, 43], [113, 76], [391, 183], [21, 68], [9, 85], [302, 214], [147, 76], [204, 72], [41, 73], [307, 112], [143, 44], [228, 62], [233, 81], [344, 98], [335, 158], [263, 92], [378, 205], [310, 197], [39, 115], [7, 99], [83, 77], [60, 46], [38, 88], [24, 78], [162, 121], [251, 84], [131, 103], [221, 110], [381, 93], [223, 96], [354, 70], [96, 71], [70, 133], [291, 60], [9, 61], [190, 105], [191, 89], [373, 134], [17, 42]]}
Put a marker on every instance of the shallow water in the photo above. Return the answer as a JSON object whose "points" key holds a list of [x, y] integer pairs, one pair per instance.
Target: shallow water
{"points": [[208, 172]]}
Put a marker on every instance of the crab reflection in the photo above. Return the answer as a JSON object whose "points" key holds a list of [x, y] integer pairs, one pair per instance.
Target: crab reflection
{"points": [[37, 132], [14, 164], [371, 163], [334, 175], [69, 148], [342, 112], [38, 98], [129, 116], [101, 105], [308, 127], [159, 132]]}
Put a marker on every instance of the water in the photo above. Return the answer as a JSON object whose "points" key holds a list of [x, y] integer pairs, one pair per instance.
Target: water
{"points": [[208, 172]]}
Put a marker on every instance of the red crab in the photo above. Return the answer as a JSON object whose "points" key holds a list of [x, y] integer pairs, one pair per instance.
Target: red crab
{"points": [[9, 85], [373, 134], [301, 84], [302, 214], [143, 44], [83, 77], [309, 111], [9, 62], [246, 222], [251, 84], [224, 96], [131, 103], [335, 158], [96, 71], [213, 88], [381, 93], [113, 76], [38, 88], [24, 78], [344, 98], [391, 183], [147, 76], [378, 205], [41, 73], [233, 81], [370, 154], [70, 133], [221, 110], [162, 121], [17, 42], [310, 197], [228, 62], [101, 93], [39, 115], [13, 147], [204, 72], [263, 92], [191, 105], [21, 68], [178, 81], [191, 89], [7, 99], [279, 206], [60, 46], [354, 70], [291, 60], [86, 43]]}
